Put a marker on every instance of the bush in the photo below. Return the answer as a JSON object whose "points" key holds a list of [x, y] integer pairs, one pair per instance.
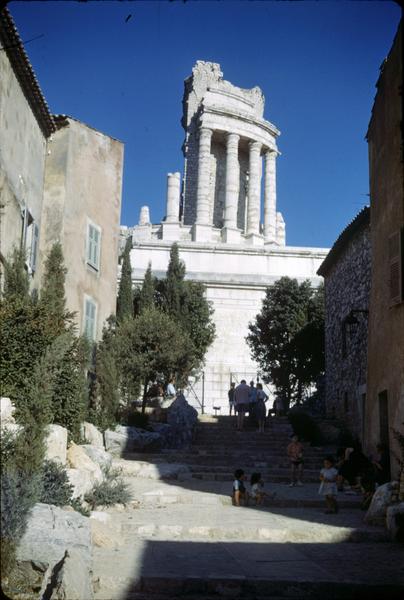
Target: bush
{"points": [[56, 488], [304, 426], [79, 507], [133, 418], [113, 490]]}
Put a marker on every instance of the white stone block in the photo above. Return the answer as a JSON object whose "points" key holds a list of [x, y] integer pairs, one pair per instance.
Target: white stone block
{"points": [[56, 443], [92, 435], [6, 411]]}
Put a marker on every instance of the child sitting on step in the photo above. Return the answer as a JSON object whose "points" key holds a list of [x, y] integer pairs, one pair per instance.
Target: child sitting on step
{"points": [[240, 494], [257, 489]]}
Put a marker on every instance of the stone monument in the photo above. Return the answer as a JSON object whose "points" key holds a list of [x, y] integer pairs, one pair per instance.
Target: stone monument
{"points": [[223, 215]]}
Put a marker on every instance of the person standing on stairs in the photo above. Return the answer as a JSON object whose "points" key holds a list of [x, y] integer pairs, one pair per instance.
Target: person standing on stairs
{"points": [[241, 401], [260, 408], [230, 395], [328, 486], [295, 455]]}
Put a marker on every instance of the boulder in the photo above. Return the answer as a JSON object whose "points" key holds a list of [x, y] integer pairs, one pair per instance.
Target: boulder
{"points": [[77, 458], [72, 581], [6, 411], [131, 439], [376, 514], [92, 435], [81, 480], [56, 443], [51, 537], [104, 532], [98, 455], [138, 468], [395, 522], [182, 417]]}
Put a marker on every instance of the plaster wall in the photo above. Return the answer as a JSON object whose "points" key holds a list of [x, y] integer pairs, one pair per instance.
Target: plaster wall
{"points": [[83, 185], [386, 323], [22, 161]]}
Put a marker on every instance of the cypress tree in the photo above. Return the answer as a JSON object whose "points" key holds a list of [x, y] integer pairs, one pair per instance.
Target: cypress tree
{"points": [[146, 299], [174, 284], [53, 290], [16, 281], [124, 309]]}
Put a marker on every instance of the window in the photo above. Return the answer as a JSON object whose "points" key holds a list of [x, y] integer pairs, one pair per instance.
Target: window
{"points": [[93, 245], [396, 267], [34, 247], [383, 418], [90, 318]]}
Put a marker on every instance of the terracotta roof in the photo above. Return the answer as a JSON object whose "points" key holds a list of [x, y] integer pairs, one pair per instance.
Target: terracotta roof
{"points": [[361, 220], [12, 44]]}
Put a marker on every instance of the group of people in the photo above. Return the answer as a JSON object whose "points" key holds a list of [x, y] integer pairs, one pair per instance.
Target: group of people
{"points": [[249, 399], [352, 467]]}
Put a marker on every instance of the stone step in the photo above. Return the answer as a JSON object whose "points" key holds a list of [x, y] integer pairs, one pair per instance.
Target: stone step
{"points": [[279, 477], [261, 467]]}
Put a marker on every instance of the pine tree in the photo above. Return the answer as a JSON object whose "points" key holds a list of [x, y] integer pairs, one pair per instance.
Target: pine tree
{"points": [[146, 298], [124, 308], [16, 281], [174, 284]]}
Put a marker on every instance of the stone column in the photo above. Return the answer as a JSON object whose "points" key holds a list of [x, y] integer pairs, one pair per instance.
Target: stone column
{"points": [[270, 197], [230, 232], [170, 228], [202, 227], [173, 197], [254, 193]]}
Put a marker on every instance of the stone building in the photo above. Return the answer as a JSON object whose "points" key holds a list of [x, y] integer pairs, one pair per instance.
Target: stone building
{"points": [[60, 180], [385, 387], [346, 272], [25, 125], [82, 209], [214, 214]]}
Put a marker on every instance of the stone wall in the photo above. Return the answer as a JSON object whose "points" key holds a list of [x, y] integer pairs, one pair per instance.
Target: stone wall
{"points": [[347, 287], [386, 324], [22, 160]]}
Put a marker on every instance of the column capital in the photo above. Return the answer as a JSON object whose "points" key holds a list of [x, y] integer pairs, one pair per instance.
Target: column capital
{"points": [[255, 146], [232, 137], [205, 132]]}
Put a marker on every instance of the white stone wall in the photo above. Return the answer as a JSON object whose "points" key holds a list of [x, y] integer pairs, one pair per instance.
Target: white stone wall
{"points": [[235, 278]]}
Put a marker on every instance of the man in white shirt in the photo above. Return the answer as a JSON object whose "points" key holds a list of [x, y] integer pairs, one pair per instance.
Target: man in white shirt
{"points": [[241, 399], [171, 391]]}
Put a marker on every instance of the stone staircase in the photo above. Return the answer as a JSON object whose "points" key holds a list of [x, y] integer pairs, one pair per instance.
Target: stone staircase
{"points": [[184, 539]]}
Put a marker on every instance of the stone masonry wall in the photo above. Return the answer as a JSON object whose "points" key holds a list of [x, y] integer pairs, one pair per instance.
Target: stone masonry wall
{"points": [[347, 287]]}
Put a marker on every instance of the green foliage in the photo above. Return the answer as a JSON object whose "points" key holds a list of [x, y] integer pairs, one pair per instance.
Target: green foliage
{"points": [[174, 284], [78, 506], [128, 415], [196, 318], [304, 426], [56, 488], [124, 308], [146, 298], [112, 490], [153, 344], [52, 296], [286, 338], [16, 281]]}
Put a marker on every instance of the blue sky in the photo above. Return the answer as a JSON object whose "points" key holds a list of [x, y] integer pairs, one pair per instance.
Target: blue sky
{"points": [[316, 62]]}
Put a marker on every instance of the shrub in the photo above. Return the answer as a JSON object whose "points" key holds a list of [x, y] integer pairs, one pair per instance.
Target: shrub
{"points": [[128, 415], [113, 490], [304, 426], [56, 488], [79, 507]]}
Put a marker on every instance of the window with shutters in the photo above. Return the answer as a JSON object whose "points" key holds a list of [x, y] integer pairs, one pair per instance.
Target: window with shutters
{"points": [[90, 318], [93, 246], [34, 247], [396, 267]]}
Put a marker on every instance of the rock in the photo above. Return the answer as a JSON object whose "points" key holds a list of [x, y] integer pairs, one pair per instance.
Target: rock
{"points": [[81, 480], [56, 443], [104, 532], [50, 535], [376, 514], [395, 522], [165, 431], [14, 428], [77, 458], [72, 581], [131, 439], [182, 417], [98, 455], [138, 468], [6, 411], [92, 435]]}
